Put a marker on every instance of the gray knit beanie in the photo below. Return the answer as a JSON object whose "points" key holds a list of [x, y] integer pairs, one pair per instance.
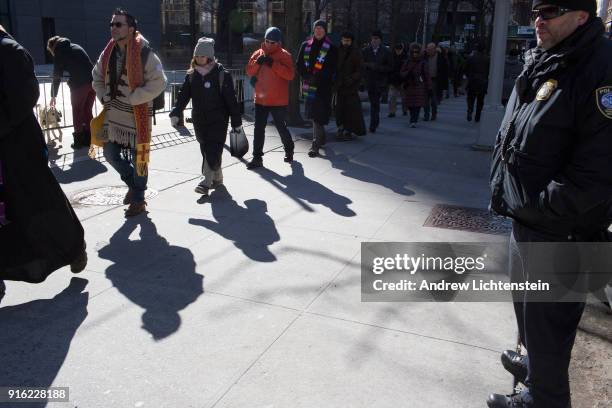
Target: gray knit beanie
{"points": [[205, 48]]}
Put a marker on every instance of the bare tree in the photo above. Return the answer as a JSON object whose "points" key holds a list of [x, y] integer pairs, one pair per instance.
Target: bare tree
{"points": [[441, 21], [320, 5], [293, 40]]}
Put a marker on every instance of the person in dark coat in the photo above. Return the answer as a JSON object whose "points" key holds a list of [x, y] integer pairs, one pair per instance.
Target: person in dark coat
{"points": [[377, 63], [72, 58], [396, 90], [477, 72], [316, 63], [416, 82], [552, 174], [444, 74], [213, 106], [39, 231], [349, 116], [436, 69]]}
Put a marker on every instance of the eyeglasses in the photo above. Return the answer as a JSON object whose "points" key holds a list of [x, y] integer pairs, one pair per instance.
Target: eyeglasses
{"points": [[118, 24], [548, 13], [270, 42]]}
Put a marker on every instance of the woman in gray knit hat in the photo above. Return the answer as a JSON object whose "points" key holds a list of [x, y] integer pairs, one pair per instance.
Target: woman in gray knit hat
{"points": [[210, 87]]}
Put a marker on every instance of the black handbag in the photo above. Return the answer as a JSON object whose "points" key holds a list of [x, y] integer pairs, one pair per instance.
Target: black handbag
{"points": [[239, 144]]}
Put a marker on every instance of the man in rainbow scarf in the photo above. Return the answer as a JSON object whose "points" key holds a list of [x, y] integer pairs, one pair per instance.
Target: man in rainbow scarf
{"points": [[126, 78], [317, 64]]}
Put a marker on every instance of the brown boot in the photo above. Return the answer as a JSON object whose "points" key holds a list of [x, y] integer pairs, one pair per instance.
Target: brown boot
{"points": [[128, 197], [136, 208]]}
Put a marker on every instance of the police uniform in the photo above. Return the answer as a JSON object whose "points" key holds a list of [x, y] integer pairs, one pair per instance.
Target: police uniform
{"points": [[552, 174]]}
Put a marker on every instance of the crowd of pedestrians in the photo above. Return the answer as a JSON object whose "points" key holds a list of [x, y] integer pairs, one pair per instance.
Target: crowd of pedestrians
{"points": [[564, 181]]}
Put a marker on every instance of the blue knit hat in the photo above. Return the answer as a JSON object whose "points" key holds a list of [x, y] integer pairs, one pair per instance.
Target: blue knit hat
{"points": [[274, 34]]}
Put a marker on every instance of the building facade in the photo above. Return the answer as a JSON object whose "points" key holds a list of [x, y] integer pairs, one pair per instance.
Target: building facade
{"points": [[85, 22]]}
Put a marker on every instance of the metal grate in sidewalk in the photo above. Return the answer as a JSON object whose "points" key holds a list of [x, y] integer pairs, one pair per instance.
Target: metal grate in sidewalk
{"points": [[467, 219]]}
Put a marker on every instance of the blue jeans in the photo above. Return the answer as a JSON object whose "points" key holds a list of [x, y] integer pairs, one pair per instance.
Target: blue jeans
{"points": [[115, 155]]}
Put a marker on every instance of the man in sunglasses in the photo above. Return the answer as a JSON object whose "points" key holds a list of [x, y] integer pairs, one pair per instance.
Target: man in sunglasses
{"points": [[271, 70], [552, 174], [127, 78]]}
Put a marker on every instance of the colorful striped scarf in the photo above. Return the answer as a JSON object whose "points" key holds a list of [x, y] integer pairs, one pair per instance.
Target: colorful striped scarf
{"points": [[141, 112], [310, 91]]}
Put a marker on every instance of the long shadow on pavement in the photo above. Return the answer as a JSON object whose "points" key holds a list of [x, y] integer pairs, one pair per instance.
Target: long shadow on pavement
{"points": [[367, 174], [250, 228], [36, 337], [78, 170], [301, 188], [162, 285]]}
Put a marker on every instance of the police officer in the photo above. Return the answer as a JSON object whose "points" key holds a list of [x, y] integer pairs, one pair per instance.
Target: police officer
{"points": [[552, 174]]}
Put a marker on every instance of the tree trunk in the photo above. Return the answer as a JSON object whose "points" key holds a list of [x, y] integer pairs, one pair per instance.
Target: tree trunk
{"points": [[396, 8], [441, 21], [192, 23], [293, 41], [454, 24], [228, 29]]}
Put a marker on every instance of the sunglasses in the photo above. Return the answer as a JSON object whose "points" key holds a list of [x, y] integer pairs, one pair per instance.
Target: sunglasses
{"points": [[270, 42], [548, 13], [118, 24]]}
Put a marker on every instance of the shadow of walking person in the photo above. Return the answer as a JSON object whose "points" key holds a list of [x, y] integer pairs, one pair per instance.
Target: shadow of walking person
{"points": [[153, 274], [250, 228], [36, 337], [301, 188], [78, 170], [367, 173]]}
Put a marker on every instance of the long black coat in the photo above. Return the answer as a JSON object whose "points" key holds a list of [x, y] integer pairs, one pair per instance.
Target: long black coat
{"points": [[377, 68], [319, 108], [43, 232], [348, 104], [477, 72], [213, 107]]}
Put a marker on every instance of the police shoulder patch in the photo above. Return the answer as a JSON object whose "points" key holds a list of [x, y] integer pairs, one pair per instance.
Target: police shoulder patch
{"points": [[604, 101]]}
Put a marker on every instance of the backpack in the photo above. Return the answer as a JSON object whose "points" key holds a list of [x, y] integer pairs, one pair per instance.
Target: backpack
{"points": [[160, 101]]}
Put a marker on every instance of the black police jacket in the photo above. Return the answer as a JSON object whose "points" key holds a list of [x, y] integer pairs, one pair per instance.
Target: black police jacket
{"points": [[552, 161]]}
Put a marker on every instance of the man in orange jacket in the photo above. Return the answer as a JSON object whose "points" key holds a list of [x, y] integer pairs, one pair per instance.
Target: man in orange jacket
{"points": [[271, 69]]}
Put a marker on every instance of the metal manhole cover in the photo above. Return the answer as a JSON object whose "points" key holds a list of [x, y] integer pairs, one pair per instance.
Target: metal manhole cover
{"points": [[467, 219], [105, 196]]}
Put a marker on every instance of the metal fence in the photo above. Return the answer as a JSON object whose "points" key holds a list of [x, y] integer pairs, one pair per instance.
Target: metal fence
{"points": [[244, 94]]}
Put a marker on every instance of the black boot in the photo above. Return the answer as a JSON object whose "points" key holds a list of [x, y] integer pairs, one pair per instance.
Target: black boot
{"points": [[515, 364], [522, 400], [288, 157], [477, 117], [78, 140], [255, 163], [469, 116], [314, 150]]}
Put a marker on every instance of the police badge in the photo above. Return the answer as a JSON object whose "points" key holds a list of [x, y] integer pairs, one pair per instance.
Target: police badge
{"points": [[546, 90], [604, 101]]}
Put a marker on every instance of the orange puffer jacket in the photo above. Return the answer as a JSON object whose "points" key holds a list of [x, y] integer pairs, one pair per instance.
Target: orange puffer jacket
{"points": [[272, 86]]}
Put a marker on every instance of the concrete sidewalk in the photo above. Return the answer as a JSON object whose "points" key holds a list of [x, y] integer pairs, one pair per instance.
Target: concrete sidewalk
{"points": [[251, 298]]}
